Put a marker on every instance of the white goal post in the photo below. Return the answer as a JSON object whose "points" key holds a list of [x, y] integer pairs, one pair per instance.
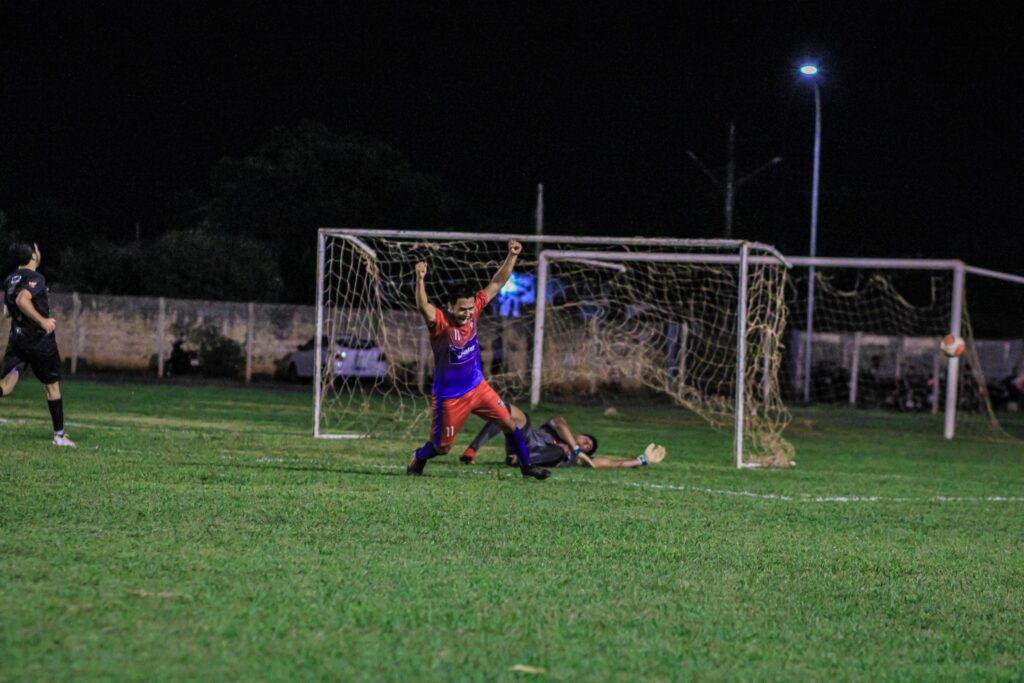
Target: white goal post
{"points": [[950, 291], [615, 260], [629, 289], [615, 319]]}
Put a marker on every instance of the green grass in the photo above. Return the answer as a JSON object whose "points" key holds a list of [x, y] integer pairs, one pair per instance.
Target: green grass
{"points": [[200, 533]]}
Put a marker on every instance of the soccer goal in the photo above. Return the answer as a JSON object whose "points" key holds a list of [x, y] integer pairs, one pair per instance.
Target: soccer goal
{"points": [[867, 335], [699, 323]]}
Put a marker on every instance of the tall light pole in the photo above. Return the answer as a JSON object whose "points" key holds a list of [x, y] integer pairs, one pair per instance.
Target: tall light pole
{"points": [[811, 71]]}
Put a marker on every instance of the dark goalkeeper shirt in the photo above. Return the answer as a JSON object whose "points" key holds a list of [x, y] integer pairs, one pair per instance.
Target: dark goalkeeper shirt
{"points": [[23, 328]]}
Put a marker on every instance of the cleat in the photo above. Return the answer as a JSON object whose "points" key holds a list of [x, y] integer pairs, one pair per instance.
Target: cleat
{"points": [[63, 440], [584, 460], [535, 472], [468, 457], [415, 468]]}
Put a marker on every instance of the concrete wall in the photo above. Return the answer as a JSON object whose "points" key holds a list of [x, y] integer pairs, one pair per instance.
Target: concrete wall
{"points": [[132, 333]]}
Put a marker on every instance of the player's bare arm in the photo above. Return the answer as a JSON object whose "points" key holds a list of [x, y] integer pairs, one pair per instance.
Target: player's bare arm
{"points": [[427, 309], [561, 428], [505, 272], [652, 455], [24, 302]]}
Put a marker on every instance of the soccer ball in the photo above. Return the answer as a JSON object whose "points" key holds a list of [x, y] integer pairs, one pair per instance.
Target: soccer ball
{"points": [[952, 346]]}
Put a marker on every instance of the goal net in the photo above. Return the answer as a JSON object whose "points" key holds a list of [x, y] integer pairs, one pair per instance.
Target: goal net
{"points": [[620, 320], [877, 327]]}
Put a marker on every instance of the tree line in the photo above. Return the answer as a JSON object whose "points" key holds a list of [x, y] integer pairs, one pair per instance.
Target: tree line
{"points": [[251, 234]]}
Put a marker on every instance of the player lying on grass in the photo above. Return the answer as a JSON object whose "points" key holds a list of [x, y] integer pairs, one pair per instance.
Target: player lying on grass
{"points": [[32, 341], [459, 385], [553, 444]]}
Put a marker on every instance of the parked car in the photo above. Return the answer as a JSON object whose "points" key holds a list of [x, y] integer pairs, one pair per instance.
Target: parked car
{"points": [[353, 357]]}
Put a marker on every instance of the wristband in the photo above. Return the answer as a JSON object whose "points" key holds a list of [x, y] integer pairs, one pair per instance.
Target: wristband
{"points": [[643, 459], [576, 451]]}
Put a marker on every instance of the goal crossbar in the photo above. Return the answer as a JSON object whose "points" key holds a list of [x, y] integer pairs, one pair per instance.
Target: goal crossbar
{"points": [[615, 259], [956, 267], [677, 242]]}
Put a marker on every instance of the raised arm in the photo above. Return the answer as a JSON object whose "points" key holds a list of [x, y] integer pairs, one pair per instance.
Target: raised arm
{"points": [[427, 310], [24, 302], [505, 272]]}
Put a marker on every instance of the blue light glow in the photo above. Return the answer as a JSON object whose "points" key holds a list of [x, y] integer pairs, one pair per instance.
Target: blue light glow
{"points": [[518, 291], [808, 70]]}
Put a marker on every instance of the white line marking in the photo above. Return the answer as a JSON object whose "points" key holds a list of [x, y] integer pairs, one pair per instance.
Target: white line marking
{"points": [[807, 498], [796, 498]]}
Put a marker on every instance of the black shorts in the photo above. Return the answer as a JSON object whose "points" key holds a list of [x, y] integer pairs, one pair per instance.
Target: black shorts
{"points": [[41, 355], [541, 453]]}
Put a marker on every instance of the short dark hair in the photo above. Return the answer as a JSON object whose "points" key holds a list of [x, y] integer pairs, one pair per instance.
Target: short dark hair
{"points": [[21, 253], [594, 439], [461, 290]]}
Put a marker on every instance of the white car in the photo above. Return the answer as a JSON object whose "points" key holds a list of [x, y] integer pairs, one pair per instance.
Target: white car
{"points": [[353, 357]]}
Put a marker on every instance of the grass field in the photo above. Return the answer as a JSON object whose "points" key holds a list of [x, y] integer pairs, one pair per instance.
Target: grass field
{"points": [[200, 533]]}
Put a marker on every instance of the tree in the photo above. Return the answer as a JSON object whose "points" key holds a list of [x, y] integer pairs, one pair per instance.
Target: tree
{"points": [[54, 225], [102, 267], [199, 264], [308, 176]]}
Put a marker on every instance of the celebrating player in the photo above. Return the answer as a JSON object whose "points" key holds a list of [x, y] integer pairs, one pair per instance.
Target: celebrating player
{"points": [[553, 444], [32, 341], [459, 384]]}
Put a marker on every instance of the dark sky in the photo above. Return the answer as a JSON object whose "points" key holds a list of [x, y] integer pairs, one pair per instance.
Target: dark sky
{"points": [[113, 106]]}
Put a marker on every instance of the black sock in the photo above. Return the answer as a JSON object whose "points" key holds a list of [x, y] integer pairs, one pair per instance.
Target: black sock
{"points": [[1, 392], [57, 414], [489, 431]]}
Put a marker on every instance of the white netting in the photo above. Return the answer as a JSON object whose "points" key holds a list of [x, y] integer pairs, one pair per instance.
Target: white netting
{"points": [[655, 329], [671, 327], [876, 344]]}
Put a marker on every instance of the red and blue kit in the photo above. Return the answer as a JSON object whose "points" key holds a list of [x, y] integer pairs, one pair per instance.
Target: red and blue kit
{"points": [[459, 385]]}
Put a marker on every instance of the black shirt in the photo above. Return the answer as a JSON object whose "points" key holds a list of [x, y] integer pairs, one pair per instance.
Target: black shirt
{"points": [[24, 328]]}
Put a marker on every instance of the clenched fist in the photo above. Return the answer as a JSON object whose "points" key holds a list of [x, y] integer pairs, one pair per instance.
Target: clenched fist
{"points": [[514, 247], [421, 270]]}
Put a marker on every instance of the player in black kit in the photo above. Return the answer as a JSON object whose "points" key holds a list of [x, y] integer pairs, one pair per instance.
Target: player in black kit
{"points": [[32, 341]]}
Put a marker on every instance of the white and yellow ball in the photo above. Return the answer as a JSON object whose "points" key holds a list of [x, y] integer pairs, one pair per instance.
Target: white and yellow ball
{"points": [[952, 346]]}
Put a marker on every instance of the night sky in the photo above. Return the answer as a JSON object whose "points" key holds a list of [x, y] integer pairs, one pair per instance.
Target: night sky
{"points": [[112, 108]]}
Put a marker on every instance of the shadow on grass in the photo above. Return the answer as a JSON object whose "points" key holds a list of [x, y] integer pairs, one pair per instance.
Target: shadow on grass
{"points": [[438, 470]]}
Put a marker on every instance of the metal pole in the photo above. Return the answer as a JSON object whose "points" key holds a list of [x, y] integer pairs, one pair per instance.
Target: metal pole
{"points": [[953, 370], [741, 353], [684, 339], [814, 244], [76, 311], [160, 326], [250, 338], [730, 180], [766, 375], [538, 329], [539, 214], [855, 367], [318, 342]]}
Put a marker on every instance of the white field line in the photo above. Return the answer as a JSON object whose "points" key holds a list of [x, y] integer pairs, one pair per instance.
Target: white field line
{"points": [[809, 498], [802, 498]]}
